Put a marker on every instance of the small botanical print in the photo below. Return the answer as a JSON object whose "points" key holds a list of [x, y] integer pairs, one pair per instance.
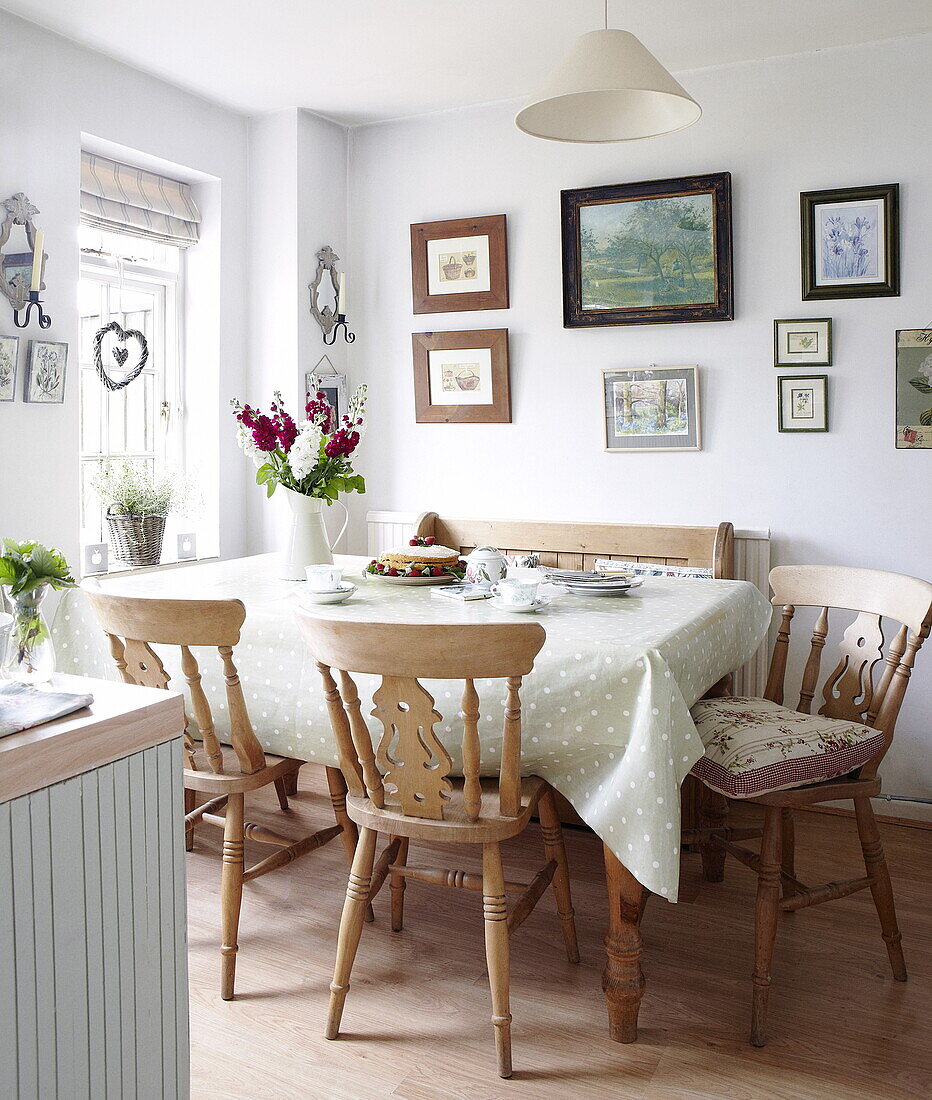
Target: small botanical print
{"points": [[9, 349], [802, 342], [803, 404], [45, 376], [914, 389]]}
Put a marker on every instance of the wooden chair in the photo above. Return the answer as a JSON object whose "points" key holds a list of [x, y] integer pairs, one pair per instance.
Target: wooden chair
{"points": [[133, 625], [402, 789], [848, 694]]}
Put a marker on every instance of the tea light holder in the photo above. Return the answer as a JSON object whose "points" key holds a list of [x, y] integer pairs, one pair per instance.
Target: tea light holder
{"points": [[33, 303]]}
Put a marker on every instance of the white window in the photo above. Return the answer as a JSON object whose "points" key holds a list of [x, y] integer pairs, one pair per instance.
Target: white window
{"points": [[139, 284]]}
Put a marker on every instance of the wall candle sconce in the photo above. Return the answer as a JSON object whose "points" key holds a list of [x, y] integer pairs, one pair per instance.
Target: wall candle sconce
{"points": [[13, 267], [330, 320]]}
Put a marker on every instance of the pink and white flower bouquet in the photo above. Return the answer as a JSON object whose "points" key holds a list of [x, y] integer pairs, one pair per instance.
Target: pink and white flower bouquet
{"points": [[311, 456]]}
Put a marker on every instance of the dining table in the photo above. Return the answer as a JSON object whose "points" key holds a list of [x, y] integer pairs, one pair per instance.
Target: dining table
{"points": [[605, 713]]}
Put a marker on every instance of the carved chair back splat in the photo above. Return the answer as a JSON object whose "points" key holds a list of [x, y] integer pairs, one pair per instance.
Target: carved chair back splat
{"points": [[134, 625], [403, 788], [866, 686]]}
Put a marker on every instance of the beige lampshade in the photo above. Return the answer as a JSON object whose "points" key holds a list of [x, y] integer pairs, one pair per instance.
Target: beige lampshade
{"points": [[608, 88]]}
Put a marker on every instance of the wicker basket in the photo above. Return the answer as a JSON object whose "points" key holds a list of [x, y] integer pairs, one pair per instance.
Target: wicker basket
{"points": [[137, 540]]}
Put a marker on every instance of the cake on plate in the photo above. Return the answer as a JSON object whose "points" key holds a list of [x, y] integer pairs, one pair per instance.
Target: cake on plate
{"points": [[422, 557]]}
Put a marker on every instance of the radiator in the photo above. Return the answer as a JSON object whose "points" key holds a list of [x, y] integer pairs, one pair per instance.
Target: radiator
{"points": [[752, 563]]}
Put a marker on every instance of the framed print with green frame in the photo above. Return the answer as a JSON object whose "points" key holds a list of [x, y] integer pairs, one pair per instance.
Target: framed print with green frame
{"points": [[804, 342], [802, 403]]}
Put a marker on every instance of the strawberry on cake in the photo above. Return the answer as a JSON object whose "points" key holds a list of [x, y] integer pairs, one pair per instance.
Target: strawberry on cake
{"points": [[422, 557]]}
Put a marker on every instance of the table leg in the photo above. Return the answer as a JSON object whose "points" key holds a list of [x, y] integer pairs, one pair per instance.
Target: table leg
{"points": [[622, 980]]}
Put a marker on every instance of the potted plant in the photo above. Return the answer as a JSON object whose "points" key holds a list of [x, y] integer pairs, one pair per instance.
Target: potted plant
{"points": [[27, 571], [310, 460], [138, 502]]}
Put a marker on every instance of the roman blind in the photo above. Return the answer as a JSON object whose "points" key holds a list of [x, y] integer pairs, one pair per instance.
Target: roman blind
{"points": [[122, 199]]}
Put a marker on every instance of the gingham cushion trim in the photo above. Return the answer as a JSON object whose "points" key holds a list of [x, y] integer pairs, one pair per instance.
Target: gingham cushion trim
{"points": [[780, 776]]}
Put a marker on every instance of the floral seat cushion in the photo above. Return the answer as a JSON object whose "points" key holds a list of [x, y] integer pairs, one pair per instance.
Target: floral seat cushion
{"points": [[753, 746]]}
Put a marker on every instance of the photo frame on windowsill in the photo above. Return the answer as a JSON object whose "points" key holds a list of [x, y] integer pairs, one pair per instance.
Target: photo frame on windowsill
{"points": [[459, 265], [462, 377]]}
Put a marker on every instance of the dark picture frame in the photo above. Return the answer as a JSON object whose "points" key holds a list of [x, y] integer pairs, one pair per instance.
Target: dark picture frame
{"points": [[492, 375], [820, 285], [489, 266], [667, 255], [790, 328], [797, 423]]}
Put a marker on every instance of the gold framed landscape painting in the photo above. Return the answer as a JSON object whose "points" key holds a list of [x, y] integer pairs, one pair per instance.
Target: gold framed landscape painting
{"points": [[656, 409], [654, 252], [459, 265], [914, 389]]}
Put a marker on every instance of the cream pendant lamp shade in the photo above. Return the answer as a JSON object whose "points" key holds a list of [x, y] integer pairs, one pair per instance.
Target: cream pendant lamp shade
{"points": [[609, 88]]}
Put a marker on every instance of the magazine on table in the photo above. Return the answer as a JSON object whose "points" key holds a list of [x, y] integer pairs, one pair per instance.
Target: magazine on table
{"points": [[23, 706], [464, 592]]}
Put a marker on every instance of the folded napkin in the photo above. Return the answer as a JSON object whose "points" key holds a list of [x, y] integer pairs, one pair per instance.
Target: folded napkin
{"points": [[23, 706]]}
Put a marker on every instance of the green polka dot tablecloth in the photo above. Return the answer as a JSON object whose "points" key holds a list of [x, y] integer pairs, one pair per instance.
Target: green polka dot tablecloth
{"points": [[605, 711]]}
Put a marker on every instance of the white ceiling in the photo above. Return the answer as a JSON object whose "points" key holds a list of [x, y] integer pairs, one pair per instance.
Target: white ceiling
{"points": [[365, 60]]}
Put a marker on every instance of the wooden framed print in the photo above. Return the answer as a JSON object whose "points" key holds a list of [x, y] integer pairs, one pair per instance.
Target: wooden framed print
{"points": [[45, 372], [914, 389], [850, 240], [459, 265], [654, 252], [806, 342], [802, 403], [652, 410], [462, 377], [9, 355]]}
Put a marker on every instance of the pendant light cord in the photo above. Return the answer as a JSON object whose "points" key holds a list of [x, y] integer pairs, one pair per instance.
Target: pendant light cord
{"points": [[606, 14]]}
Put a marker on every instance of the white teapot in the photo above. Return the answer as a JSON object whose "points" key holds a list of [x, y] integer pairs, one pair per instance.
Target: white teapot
{"points": [[486, 565]]}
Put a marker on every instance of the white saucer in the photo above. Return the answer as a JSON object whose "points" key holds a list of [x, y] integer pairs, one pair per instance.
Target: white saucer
{"points": [[538, 605], [333, 595]]}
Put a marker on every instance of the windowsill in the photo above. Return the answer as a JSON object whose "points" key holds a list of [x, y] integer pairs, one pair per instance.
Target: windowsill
{"points": [[118, 568]]}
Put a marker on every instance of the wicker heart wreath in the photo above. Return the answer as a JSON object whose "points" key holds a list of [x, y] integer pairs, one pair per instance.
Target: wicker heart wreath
{"points": [[120, 354]]}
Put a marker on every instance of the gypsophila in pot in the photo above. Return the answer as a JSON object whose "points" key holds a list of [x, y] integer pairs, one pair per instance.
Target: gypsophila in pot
{"points": [[28, 570], [138, 502]]}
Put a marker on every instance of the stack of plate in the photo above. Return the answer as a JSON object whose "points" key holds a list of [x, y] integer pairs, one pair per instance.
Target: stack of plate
{"points": [[585, 583]]}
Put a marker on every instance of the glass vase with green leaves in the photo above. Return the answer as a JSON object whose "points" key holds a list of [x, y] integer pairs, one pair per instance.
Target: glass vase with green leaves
{"points": [[28, 571]]}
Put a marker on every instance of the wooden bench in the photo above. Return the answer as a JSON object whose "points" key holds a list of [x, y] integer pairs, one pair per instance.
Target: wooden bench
{"points": [[577, 546]]}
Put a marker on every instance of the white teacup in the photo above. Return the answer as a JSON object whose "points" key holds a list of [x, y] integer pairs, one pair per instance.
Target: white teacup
{"points": [[517, 593], [323, 578]]}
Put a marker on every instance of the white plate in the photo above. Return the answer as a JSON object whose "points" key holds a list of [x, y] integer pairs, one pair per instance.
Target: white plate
{"points": [[595, 589], [336, 595], [445, 579], [538, 605]]}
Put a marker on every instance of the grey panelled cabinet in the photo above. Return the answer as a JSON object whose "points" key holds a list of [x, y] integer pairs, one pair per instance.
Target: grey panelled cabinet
{"points": [[93, 969]]}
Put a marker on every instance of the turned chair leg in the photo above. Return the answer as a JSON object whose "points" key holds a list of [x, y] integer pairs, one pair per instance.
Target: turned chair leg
{"points": [[291, 782], [281, 789], [713, 809], [765, 925], [354, 913], [788, 859], [190, 804], [397, 884], [231, 892], [881, 888], [336, 784], [554, 848], [496, 951]]}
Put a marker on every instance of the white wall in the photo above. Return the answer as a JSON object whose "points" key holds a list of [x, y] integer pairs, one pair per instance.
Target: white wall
{"points": [[831, 119], [297, 204], [50, 92]]}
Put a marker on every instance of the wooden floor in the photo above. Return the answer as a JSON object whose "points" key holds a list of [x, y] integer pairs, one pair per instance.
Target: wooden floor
{"points": [[417, 1017]]}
